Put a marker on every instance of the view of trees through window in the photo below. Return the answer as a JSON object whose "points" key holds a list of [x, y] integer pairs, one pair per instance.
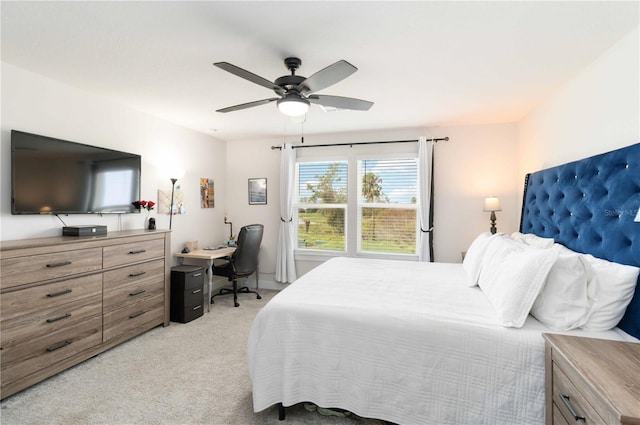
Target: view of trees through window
{"points": [[322, 201], [387, 192], [387, 205]]}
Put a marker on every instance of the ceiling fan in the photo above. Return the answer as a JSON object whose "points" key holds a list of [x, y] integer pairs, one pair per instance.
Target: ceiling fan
{"points": [[296, 92]]}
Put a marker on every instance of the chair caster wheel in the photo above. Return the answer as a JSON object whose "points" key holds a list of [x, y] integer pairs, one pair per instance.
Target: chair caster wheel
{"points": [[236, 305], [258, 297]]}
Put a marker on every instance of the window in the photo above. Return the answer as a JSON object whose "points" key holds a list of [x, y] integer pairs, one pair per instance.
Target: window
{"points": [[387, 205], [321, 203], [358, 205]]}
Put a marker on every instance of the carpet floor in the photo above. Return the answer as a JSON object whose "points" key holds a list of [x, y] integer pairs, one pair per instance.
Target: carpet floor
{"points": [[193, 373]]}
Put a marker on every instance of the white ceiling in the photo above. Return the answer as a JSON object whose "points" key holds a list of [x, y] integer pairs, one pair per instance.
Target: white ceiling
{"points": [[424, 64]]}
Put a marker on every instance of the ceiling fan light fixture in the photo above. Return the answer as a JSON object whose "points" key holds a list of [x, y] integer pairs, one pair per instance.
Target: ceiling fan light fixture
{"points": [[293, 106]]}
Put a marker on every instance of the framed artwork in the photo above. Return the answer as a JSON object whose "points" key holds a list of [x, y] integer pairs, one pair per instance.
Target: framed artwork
{"points": [[207, 193], [258, 191]]}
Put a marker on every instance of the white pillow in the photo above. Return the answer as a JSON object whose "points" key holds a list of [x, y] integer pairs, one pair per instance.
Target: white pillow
{"points": [[533, 240], [611, 287], [563, 304], [512, 275], [473, 258]]}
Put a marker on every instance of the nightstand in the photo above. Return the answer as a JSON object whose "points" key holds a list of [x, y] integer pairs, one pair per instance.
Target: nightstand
{"points": [[187, 298], [591, 381]]}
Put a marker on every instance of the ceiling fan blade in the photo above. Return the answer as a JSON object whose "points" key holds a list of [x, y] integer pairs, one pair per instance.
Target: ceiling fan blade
{"points": [[248, 105], [341, 102], [256, 79], [327, 77]]}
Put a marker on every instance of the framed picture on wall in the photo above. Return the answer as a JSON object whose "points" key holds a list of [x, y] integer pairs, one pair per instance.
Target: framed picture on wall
{"points": [[258, 191], [207, 193]]}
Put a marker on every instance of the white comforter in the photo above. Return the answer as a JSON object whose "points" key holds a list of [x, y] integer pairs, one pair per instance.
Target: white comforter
{"points": [[400, 341]]}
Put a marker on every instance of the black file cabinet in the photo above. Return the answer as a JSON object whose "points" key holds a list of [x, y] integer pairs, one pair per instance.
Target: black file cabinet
{"points": [[187, 297]]}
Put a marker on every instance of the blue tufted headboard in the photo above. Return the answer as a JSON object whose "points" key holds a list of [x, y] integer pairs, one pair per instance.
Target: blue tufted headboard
{"points": [[589, 206]]}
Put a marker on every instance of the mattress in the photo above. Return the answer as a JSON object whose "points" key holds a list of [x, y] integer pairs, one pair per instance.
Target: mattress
{"points": [[406, 342]]}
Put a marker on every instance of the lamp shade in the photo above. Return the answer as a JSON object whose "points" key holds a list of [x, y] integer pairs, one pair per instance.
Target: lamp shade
{"points": [[293, 106], [491, 204]]}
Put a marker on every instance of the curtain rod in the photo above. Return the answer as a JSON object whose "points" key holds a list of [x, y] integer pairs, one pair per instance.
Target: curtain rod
{"points": [[441, 139]]}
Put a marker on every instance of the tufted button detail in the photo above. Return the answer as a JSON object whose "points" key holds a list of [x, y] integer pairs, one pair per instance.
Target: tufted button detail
{"points": [[626, 165]]}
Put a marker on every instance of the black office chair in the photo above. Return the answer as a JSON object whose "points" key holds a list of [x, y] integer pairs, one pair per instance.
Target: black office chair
{"points": [[242, 263]]}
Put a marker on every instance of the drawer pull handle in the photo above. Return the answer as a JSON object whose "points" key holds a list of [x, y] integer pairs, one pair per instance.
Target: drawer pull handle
{"points": [[567, 403], [57, 294], [138, 251], [197, 307], [195, 291], [60, 264], [134, 315], [196, 275], [138, 292], [55, 319], [136, 274], [59, 345]]}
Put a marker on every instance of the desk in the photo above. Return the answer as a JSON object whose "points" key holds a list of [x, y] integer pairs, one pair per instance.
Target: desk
{"points": [[209, 255]]}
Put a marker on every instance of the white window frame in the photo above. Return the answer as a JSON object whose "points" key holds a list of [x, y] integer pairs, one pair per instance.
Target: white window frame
{"points": [[352, 213], [360, 205], [298, 205]]}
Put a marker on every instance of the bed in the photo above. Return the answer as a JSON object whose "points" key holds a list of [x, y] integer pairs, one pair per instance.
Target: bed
{"points": [[416, 343]]}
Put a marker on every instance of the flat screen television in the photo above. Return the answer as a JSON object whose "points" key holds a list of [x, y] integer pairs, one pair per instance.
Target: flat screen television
{"points": [[53, 176]]}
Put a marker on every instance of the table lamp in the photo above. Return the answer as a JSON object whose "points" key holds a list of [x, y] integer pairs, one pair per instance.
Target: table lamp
{"points": [[492, 204]]}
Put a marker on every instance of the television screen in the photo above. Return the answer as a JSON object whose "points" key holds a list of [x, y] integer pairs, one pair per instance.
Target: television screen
{"points": [[53, 176]]}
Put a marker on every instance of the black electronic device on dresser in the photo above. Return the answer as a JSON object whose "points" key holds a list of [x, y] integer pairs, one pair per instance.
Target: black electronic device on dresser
{"points": [[187, 296]]}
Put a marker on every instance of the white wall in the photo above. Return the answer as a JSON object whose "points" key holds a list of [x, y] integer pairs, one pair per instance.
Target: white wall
{"points": [[40, 105], [478, 161], [595, 112]]}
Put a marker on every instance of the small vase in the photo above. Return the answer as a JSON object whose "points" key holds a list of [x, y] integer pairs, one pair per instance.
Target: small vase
{"points": [[146, 223]]}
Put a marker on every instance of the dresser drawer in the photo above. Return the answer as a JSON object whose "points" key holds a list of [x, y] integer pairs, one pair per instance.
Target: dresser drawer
{"points": [[30, 357], [36, 268], [558, 419], [152, 270], [139, 316], [48, 297], [570, 401], [117, 255], [37, 324], [125, 295]]}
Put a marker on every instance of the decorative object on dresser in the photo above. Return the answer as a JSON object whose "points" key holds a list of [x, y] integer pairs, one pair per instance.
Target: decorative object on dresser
{"points": [[591, 381], [64, 300], [187, 295]]}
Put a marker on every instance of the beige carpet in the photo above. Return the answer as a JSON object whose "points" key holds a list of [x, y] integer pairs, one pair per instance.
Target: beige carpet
{"points": [[194, 373]]}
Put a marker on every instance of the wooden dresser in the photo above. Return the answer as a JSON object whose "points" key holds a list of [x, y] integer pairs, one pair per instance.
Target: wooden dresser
{"points": [[592, 381], [65, 299]]}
